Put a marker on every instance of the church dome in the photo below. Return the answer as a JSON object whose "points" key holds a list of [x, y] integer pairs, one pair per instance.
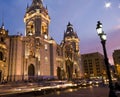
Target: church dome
{"points": [[70, 31], [36, 4], [3, 31]]}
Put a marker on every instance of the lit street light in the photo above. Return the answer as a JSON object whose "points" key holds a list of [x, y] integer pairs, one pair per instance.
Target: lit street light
{"points": [[103, 42]]}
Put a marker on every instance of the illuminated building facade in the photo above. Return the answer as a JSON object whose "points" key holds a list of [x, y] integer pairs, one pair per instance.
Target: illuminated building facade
{"points": [[36, 54], [93, 65], [3, 53], [71, 53], [116, 59]]}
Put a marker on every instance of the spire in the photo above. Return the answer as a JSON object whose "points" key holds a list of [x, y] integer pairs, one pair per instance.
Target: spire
{"points": [[46, 7], [69, 25], [2, 26], [70, 31], [27, 5], [36, 4], [37, 1]]}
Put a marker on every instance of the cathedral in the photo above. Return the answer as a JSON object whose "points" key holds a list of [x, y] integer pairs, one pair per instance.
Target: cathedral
{"points": [[36, 54]]}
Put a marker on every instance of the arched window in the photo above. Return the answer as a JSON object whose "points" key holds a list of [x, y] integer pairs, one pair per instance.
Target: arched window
{"points": [[2, 40], [1, 55]]}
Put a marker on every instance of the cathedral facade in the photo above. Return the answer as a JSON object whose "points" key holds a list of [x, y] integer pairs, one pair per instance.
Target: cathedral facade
{"points": [[37, 54]]}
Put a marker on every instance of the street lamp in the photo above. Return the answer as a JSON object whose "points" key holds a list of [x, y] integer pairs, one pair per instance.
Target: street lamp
{"points": [[103, 42]]}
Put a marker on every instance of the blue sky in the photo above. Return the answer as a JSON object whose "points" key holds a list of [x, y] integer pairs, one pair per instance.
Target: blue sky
{"points": [[83, 14]]}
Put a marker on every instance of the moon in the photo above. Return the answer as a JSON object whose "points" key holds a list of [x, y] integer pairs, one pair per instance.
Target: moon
{"points": [[107, 4]]}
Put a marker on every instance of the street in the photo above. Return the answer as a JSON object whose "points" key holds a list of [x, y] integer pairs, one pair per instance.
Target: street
{"points": [[34, 90], [83, 92]]}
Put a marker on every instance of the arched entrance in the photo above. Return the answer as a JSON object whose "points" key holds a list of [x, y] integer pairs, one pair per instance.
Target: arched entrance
{"points": [[69, 69], [0, 75], [59, 73], [31, 72]]}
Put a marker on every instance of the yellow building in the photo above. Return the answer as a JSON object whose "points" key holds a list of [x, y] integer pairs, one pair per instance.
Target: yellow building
{"points": [[116, 59], [93, 65], [36, 54]]}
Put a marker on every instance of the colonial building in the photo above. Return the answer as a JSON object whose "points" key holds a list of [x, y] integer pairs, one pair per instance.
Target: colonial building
{"points": [[116, 59], [93, 65], [3, 53], [71, 52], [36, 54]]}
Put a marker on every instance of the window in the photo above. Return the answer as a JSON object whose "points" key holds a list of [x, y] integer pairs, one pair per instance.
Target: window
{"points": [[31, 53], [46, 59], [2, 40], [90, 65], [97, 61], [90, 61], [91, 72], [46, 47], [1, 56]]}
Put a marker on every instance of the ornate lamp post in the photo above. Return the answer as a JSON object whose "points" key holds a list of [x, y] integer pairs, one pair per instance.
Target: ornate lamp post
{"points": [[103, 42]]}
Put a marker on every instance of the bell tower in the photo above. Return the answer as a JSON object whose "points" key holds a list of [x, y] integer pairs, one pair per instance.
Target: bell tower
{"points": [[71, 36], [37, 19], [70, 45]]}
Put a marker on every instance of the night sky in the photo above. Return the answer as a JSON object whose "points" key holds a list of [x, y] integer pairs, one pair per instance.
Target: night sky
{"points": [[83, 14]]}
